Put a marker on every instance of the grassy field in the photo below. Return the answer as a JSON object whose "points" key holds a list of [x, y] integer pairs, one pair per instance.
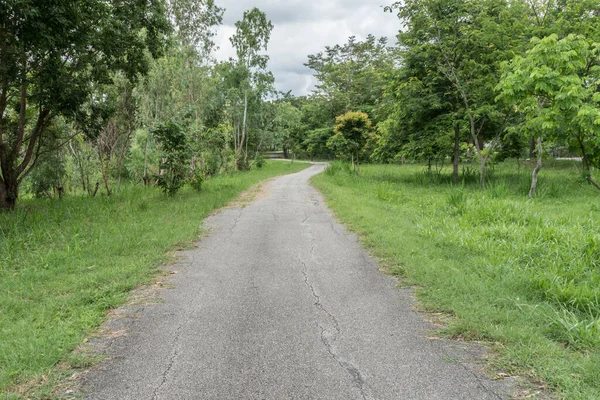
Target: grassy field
{"points": [[521, 274], [63, 264]]}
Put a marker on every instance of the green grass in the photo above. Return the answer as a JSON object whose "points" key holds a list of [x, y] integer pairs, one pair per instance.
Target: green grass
{"points": [[521, 274], [63, 264]]}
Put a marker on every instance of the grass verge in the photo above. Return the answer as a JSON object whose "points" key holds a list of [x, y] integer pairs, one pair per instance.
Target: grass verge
{"points": [[63, 264], [521, 274]]}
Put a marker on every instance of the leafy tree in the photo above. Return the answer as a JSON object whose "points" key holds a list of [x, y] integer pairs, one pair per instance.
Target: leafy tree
{"points": [[287, 123], [51, 56], [49, 177], [174, 150], [215, 150], [315, 143], [251, 37], [143, 157], [194, 21], [352, 130], [556, 85], [353, 75], [463, 42], [422, 113]]}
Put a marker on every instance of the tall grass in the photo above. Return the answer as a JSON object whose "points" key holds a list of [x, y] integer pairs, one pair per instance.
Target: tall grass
{"points": [[521, 273], [63, 264]]}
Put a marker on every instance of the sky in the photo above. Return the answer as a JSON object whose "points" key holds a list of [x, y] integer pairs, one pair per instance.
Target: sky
{"points": [[303, 27]]}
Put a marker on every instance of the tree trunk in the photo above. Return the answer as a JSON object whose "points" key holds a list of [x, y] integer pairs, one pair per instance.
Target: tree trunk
{"points": [[532, 144], [589, 174], [9, 192], [456, 158], [483, 170], [105, 175], [586, 164], [536, 170], [145, 177], [243, 138], [479, 147], [80, 164], [358, 163]]}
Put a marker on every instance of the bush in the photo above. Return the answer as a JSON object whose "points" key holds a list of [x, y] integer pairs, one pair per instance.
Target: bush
{"points": [[196, 181], [338, 167], [259, 162], [174, 148]]}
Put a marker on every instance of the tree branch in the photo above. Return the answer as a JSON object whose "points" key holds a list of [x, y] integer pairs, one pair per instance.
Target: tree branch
{"points": [[22, 120], [37, 131]]}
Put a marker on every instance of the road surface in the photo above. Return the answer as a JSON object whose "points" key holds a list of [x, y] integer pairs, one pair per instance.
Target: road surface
{"points": [[279, 301]]}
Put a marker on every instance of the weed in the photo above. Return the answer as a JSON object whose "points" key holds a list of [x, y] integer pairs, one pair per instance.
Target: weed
{"points": [[338, 167]]}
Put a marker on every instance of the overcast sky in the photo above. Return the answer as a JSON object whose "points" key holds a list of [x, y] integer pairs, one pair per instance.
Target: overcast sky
{"points": [[304, 27]]}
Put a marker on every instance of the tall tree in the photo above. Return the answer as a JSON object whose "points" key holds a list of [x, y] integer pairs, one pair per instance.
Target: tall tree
{"points": [[465, 42], [194, 22], [51, 56], [251, 37], [353, 75]]}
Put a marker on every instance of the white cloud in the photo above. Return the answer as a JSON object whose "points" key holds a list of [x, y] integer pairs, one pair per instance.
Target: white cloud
{"points": [[303, 27]]}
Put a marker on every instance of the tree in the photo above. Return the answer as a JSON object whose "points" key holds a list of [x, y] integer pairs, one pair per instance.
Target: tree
{"points": [[251, 36], [51, 56], [464, 42], [353, 75], [352, 131], [194, 21], [286, 125], [174, 149], [556, 85]]}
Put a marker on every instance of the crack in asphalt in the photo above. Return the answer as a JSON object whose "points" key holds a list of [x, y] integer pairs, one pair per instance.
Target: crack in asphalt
{"points": [[351, 369], [236, 220], [318, 303], [335, 230], [174, 355], [354, 372]]}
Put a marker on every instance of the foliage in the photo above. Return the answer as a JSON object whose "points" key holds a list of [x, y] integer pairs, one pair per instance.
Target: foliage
{"points": [[315, 143], [174, 148], [455, 49], [196, 181], [194, 22], [351, 132], [555, 85], [52, 57], [353, 75], [338, 167]]}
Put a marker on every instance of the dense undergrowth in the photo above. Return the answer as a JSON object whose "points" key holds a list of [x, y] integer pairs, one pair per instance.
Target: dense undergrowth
{"points": [[63, 264], [522, 274]]}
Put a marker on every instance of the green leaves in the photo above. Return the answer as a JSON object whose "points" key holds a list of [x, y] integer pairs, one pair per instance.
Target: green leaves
{"points": [[556, 86], [174, 148], [251, 36], [351, 133], [353, 75]]}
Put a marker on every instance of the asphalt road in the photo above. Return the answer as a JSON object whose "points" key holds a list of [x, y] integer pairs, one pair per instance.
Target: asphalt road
{"points": [[279, 301]]}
